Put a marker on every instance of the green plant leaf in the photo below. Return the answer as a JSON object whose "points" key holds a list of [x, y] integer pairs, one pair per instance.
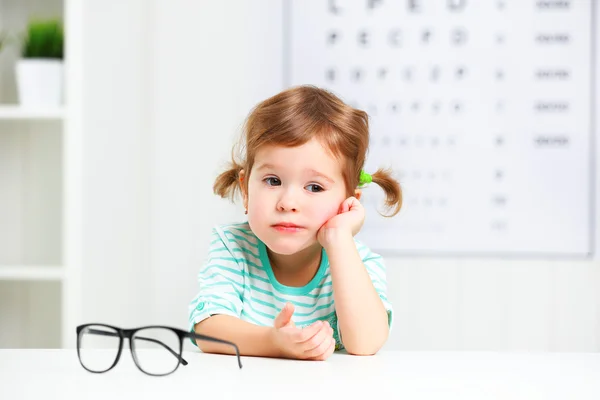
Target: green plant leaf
{"points": [[43, 39]]}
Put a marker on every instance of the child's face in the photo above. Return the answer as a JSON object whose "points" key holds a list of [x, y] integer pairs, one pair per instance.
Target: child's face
{"points": [[292, 192]]}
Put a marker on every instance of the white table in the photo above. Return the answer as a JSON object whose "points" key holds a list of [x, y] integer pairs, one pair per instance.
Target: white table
{"points": [[56, 374]]}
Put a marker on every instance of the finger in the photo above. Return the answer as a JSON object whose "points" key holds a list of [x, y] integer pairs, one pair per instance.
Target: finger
{"points": [[308, 332], [330, 350], [318, 343], [349, 204], [353, 203], [343, 207], [285, 315], [327, 353], [317, 338]]}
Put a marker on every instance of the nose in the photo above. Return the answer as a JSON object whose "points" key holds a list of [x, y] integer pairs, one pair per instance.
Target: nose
{"points": [[287, 201]]}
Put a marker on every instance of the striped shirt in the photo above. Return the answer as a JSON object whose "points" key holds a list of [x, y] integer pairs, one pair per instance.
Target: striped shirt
{"points": [[237, 280]]}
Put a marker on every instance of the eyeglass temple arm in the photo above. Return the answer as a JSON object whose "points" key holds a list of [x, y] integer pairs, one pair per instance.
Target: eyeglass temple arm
{"points": [[215, 340], [105, 333]]}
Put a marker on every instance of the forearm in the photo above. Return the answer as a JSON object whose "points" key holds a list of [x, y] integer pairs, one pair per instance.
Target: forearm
{"points": [[251, 339], [361, 314]]}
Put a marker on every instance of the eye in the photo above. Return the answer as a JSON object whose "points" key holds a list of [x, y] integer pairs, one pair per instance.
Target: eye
{"points": [[272, 181], [313, 187]]}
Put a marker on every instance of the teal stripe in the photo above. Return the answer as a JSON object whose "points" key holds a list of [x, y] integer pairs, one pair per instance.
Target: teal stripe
{"points": [[251, 319], [216, 274], [264, 303], [271, 317], [239, 237], [213, 309], [375, 278], [242, 230], [241, 273], [298, 314], [362, 247], [377, 264], [373, 273], [237, 260], [258, 278], [209, 310], [193, 315], [228, 283], [378, 285], [242, 249], [324, 306], [216, 240], [234, 294], [281, 299], [372, 257], [220, 298], [314, 296], [219, 275], [310, 321], [237, 224], [233, 271], [324, 295]]}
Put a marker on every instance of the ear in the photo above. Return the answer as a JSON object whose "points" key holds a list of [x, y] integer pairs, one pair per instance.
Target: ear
{"points": [[242, 178], [357, 194]]}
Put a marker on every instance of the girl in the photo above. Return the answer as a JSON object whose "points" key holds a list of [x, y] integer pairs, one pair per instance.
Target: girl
{"points": [[292, 282]]}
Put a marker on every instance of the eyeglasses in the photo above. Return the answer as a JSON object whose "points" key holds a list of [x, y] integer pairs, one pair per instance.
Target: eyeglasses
{"points": [[156, 350]]}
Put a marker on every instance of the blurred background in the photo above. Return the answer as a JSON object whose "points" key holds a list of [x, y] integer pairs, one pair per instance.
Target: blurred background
{"points": [[116, 116]]}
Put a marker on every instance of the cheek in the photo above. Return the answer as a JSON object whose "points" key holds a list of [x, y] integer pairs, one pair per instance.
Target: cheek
{"points": [[258, 201], [257, 212], [324, 211], [254, 200]]}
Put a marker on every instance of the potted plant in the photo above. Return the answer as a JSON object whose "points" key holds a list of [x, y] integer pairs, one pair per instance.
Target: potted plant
{"points": [[39, 71]]}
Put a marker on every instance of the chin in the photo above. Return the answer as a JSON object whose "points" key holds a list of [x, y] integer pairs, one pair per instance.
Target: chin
{"points": [[286, 246], [283, 248]]}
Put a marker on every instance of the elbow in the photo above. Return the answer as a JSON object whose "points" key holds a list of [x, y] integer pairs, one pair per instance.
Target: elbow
{"points": [[362, 353], [362, 350], [204, 345], [363, 346]]}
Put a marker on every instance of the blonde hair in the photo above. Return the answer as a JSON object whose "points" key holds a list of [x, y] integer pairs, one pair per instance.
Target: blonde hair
{"points": [[295, 116]]}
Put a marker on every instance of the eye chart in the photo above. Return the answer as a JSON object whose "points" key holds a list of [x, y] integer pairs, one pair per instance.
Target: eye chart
{"points": [[482, 108]]}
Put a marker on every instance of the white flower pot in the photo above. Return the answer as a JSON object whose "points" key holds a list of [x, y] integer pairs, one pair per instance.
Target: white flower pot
{"points": [[40, 82]]}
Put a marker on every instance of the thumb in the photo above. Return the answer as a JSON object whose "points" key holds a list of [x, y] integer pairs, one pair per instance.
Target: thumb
{"points": [[285, 316]]}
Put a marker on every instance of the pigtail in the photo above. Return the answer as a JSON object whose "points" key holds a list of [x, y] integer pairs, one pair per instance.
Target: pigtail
{"points": [[228, 182], [391, 188]]}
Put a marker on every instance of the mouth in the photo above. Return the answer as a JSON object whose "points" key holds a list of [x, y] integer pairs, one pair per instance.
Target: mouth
{"points": [[287, 227]]}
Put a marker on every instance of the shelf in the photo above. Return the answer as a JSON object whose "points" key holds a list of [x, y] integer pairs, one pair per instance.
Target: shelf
{"points": [[31, 273], [16, 112]]}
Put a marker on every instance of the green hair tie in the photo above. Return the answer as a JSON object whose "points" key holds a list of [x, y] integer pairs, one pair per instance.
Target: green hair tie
{"points": [[364, 178]]}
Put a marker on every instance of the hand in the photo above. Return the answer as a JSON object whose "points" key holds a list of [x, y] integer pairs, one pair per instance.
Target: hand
{"points": [[348, 221], [314, 342]]}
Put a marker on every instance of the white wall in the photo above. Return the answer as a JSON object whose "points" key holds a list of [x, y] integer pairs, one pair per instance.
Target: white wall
{"points": [[207, 72], [166, 90], [117, 269]]}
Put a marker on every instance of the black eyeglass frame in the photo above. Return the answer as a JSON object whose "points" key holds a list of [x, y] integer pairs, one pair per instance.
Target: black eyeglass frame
{"points": [[129, 334]]}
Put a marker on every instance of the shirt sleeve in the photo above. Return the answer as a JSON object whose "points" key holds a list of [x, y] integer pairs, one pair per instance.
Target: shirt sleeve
{"points": [[375, 266], [221, 284]]}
